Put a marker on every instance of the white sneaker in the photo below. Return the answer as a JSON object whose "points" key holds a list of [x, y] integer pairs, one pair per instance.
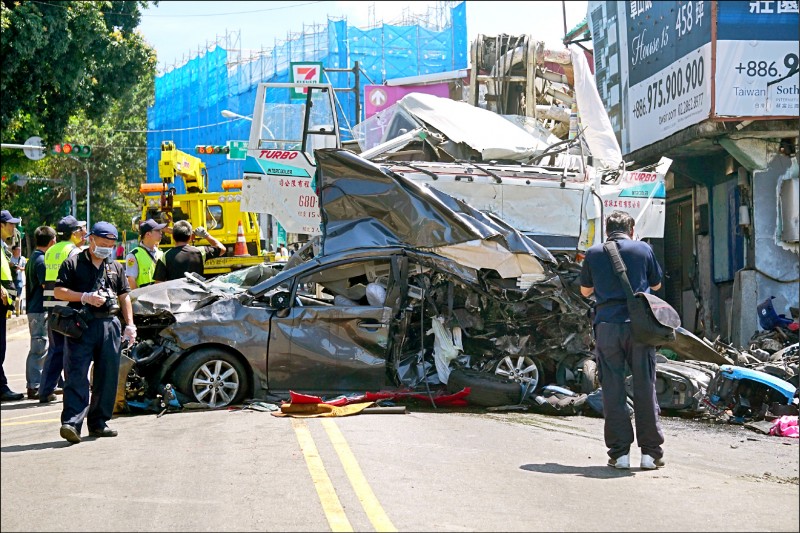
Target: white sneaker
{"points": [[650, 463], [622, 462]]}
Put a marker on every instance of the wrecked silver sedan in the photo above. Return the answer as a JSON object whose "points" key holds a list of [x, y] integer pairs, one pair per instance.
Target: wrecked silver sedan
{"points": [[407, 280]]}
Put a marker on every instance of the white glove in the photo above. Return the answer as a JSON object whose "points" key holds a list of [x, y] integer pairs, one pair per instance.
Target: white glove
{"points": [[201, 232], [129, 335], [93, 299]]}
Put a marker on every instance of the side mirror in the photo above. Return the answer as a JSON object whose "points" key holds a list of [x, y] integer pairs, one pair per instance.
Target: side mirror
{"points": [[281, 300]]}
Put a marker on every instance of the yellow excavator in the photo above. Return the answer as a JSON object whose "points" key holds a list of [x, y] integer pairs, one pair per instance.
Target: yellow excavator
{"points": [[220, 212]]}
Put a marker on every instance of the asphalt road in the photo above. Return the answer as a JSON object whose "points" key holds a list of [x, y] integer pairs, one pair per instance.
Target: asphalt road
{"points": [[443, 470]]}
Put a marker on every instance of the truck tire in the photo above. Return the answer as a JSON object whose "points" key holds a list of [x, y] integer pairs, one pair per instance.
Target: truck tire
{"points": [[486, 390], [212, 377]]}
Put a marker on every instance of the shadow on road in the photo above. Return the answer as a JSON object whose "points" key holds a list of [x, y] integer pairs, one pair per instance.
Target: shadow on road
{"points": [[27, 404], [38, 446], [597, 472]]}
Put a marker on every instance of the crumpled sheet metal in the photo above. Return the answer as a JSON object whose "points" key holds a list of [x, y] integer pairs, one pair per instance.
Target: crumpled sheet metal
{"points": [[362, 204], [495, 228], [688, 346], [169, 298], [484, 131], [226, 322]]}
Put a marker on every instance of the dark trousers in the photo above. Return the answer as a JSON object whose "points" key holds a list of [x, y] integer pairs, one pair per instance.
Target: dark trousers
{"points": [[3, 379], [100, 344], [53, 363], [615, 348]]}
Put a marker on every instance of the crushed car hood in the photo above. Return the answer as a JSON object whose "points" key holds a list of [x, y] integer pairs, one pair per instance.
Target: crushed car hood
{"points": [[170, 297], [369, 205]]}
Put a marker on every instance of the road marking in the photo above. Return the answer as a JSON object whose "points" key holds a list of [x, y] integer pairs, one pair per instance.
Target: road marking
{"points": [[35, 414], [4, 424], [327, 495], [369, 502]]}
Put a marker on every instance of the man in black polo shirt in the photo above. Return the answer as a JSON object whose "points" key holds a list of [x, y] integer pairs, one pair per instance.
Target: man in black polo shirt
{"points": [[92, 279], [184, 257], [616, 347]]}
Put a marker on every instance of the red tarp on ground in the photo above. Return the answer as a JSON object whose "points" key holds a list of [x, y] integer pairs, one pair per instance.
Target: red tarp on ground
{"points": [[457, 399]]}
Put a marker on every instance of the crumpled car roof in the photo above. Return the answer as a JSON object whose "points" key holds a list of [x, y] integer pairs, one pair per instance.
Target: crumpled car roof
{"points": [[365, 205]]}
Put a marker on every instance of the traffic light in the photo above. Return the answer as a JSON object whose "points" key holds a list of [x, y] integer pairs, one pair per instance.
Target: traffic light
{"points": [[211, 149], [77, 150]]}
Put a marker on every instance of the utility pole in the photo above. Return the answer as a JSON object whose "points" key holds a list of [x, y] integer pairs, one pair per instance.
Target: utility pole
{"points": [[85, 169]]}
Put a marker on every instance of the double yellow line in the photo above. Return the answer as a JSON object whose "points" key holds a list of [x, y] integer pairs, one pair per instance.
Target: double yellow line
{"points": [[334, 512]]}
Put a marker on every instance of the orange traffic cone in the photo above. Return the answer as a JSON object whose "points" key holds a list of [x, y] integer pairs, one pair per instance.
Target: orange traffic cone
{"points": [[240, 249]]}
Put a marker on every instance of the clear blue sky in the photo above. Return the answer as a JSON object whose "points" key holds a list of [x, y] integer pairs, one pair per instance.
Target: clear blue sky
{"points": [[177, 30]]}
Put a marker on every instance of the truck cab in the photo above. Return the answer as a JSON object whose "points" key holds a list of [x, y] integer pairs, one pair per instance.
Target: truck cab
{"points": [[219, 212]]}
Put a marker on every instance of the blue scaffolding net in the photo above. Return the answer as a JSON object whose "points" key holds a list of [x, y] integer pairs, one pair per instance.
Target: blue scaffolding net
{"points": [[189, 100]]}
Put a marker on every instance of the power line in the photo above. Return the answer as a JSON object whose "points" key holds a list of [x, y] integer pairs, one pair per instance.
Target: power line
{"points": [[143, 14], [180, 129]]}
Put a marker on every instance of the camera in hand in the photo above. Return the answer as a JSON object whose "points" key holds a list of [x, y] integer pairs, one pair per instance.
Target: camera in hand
{"points": [[111, 305]]}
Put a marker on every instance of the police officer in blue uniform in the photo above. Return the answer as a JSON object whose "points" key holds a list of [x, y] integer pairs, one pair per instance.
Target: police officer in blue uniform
{"points": [[93, 280]]}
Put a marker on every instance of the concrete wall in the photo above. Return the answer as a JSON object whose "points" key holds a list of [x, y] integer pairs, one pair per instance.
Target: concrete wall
{"points": [[775, 269]]}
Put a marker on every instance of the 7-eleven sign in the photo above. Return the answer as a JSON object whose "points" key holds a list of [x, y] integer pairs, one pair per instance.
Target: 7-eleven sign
{"points": [[304, 72]]}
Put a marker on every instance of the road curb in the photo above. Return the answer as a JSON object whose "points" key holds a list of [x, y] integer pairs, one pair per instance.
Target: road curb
{"points": [[15, 323]]}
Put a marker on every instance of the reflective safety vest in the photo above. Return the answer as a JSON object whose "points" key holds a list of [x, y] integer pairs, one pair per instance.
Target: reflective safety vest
{"points": [[6, 279], [53, 257], [147, 264]]}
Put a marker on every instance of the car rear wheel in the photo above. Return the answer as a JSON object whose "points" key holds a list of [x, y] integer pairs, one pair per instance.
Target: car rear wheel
{"points": [[521, 369], [212, 377]]}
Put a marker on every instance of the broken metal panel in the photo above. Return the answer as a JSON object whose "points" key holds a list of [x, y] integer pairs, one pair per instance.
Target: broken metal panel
{"points": [[488, 133], [333, 349], [364, 206], [494, 227], [689, 346], [490, 255]]}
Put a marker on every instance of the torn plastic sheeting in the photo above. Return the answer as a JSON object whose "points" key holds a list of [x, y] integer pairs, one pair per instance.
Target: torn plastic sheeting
{"points": [[599, 134], [446, 346]]}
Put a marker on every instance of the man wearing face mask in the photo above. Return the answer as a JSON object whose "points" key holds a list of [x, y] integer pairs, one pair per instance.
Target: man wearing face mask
{"points": [[93, 280], [70, 236]]}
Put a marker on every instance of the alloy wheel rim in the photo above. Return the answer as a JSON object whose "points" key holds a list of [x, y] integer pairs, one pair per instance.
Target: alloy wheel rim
{"points": [[215, 383]]}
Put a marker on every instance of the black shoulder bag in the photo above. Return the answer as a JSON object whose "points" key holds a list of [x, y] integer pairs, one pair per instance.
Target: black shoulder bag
{"points": [[653, 321], [72, 322]]}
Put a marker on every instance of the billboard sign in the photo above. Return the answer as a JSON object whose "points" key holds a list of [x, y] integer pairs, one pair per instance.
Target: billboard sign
{"points": [[667, 64], [758, 68]]}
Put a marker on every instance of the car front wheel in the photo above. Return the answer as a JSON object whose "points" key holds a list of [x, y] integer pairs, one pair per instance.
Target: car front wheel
{"points": [[212, 377]]}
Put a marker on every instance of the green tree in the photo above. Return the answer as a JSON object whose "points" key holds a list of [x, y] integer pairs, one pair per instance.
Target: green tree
{"points": [[60, 57], [116, 167]]}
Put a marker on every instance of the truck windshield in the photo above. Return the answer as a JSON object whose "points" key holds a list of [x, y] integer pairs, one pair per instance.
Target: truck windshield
{"points": [[284, 118]]}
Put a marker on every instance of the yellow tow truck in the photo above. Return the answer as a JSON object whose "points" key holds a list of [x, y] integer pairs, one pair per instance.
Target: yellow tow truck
{"points": [[220, 212]]}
